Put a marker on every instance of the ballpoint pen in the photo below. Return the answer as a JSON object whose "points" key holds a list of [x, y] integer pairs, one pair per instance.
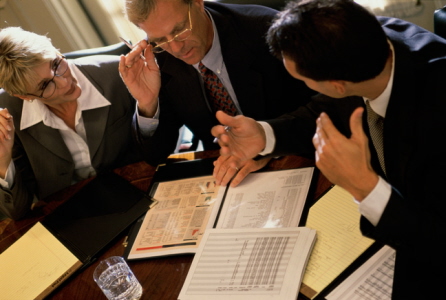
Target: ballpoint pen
{"points": [[227, 129], [130, 46]]}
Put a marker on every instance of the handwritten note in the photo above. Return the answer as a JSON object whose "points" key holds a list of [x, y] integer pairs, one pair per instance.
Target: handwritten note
{"points": [[35, 265], [336, 219]]}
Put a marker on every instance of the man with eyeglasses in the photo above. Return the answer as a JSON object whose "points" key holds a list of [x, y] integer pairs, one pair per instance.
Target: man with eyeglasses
{"points": [[60, 121], [229, 40]]}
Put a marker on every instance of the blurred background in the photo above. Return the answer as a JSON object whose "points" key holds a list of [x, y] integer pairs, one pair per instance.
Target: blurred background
{"points": [[81, 24]]}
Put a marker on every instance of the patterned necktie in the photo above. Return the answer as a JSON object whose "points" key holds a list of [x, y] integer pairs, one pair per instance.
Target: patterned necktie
{"points": [[376, 125], [216, 93]]}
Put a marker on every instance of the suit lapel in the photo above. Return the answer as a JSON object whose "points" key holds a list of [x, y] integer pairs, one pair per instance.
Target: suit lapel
{"points": [[239, 60], [95, 121], [401, 120], [50, 139]]}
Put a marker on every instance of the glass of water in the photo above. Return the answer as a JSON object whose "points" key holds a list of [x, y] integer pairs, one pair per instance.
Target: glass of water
{"points": [[116, 280]]}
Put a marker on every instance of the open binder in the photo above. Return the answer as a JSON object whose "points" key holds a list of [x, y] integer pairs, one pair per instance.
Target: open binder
{"points": [[189, 202], [71, 237]]}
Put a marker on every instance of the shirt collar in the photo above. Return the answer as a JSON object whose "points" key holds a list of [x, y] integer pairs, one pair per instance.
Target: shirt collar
{"points": [[90, 98], [379, 105], [213, 60]]}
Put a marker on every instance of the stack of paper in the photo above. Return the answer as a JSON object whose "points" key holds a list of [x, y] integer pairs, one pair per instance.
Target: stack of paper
{"points": [[260, 263]]}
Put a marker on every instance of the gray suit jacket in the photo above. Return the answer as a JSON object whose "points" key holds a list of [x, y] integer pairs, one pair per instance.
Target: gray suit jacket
{"points": [[43, 163]]}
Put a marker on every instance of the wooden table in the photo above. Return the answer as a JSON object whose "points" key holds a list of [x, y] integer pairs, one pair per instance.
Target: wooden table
{"points": [[161, 278]]}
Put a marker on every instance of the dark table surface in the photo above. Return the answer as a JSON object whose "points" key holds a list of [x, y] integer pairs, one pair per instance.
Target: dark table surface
{"points": [[161, 278]]}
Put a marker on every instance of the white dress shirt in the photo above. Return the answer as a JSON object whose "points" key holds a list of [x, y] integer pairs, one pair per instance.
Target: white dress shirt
{"points": [[372, 206], [213, 60]]}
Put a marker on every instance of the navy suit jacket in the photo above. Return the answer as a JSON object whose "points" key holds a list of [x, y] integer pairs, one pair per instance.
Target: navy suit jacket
{"points": [[44, 164], [414, 220], [263, 87]]}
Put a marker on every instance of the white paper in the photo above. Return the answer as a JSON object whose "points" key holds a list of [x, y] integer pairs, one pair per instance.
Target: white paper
{"points": [[256, 263], [372, 281], [176, 224], [267, 200]]}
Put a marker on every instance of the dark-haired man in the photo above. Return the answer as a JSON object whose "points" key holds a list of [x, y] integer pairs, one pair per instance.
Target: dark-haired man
{"points": [[365, 67]]}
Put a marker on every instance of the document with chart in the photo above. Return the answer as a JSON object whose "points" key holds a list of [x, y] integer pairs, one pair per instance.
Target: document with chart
{"points": [[188, 207], [267, 200], [373, 280], [255, 263]]}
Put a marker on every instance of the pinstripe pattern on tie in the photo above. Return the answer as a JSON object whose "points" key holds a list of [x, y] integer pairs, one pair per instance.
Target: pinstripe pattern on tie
{"points": [[376, 126]]}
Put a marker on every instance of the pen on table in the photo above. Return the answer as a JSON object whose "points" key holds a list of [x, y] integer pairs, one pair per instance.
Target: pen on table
{"points": [[227, 129], [130, 46]]}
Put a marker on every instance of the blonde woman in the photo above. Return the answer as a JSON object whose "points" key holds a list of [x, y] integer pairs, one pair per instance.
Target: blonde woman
{"points": [[61, 121]]}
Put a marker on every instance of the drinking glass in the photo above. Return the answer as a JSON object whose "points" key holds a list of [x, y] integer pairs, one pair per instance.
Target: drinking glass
{"points": [[117, 280]]}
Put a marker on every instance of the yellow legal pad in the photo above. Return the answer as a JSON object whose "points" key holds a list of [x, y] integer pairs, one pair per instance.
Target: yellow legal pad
{"points": [[339, 243], [34, 265]]}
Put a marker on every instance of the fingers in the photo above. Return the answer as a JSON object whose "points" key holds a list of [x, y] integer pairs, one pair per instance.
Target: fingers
{"points": [[228, 170], [249, 167], [136, 56], [6, 125], [223, 118], [225, 168], [150, 58], [227, 120], [356, 122], [121, 67], [325, 132], [326, 127], [220, 131], [320, 137], [137, 53]]}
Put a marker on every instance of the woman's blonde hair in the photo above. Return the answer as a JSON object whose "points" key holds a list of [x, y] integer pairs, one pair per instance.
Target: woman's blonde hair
{"points": [[20, 52]]}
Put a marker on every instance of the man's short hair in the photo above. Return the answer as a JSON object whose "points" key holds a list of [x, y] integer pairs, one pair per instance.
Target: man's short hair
{"points": [[330, 40], [20, 52], [137, 11]]}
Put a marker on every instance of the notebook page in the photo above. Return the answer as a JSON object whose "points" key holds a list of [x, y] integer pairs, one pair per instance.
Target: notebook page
{"points": [[35, 265], [336, 219]]}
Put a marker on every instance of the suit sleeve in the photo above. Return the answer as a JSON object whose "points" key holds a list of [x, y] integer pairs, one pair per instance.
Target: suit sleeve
{"points": [[16, 201], [294, 131]]}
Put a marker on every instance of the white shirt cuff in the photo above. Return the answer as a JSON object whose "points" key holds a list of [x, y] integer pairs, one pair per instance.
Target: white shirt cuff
{"points": [[147, 126], [8, 181], [372, 207], [270, 138]]}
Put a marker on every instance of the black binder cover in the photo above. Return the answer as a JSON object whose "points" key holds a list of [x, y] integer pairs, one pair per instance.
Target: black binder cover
{"points": [[183, 169], [96, 215]]}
